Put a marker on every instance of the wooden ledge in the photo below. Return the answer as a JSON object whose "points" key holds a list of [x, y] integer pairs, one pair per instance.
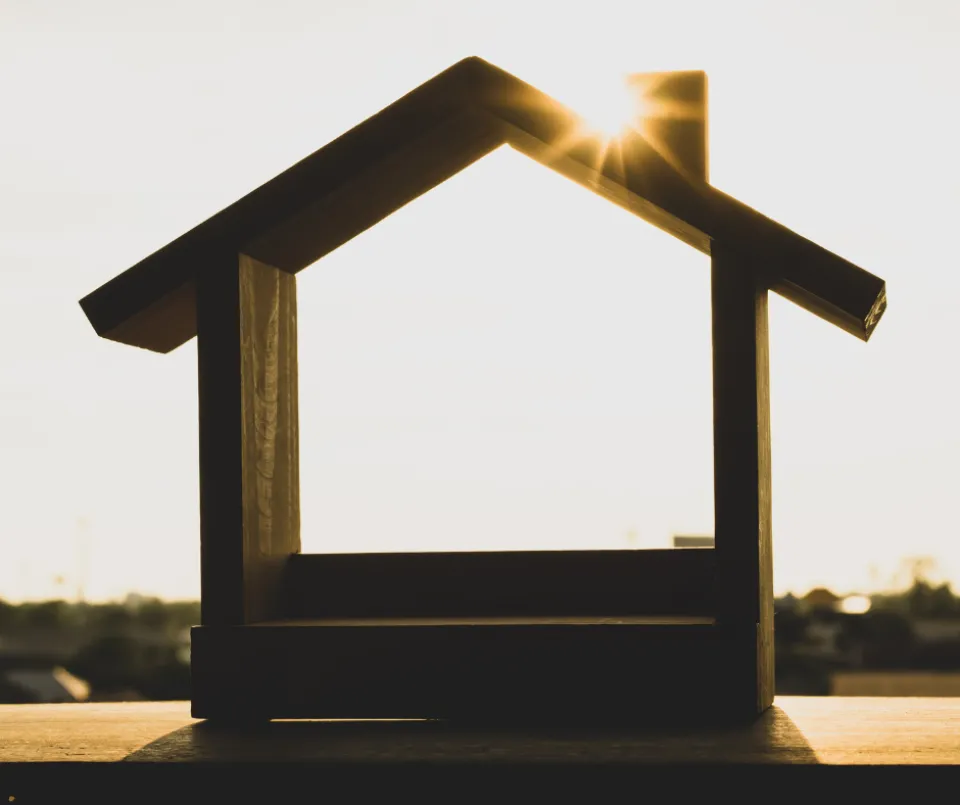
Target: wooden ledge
{"points": [[797, 730], [154, 752]]}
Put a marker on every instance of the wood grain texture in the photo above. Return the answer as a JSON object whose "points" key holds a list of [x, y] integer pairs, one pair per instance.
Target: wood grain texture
{"points": [[249, 448], [373, 157], [102, 732], [742, 475], [805, 730], [505, 583]]}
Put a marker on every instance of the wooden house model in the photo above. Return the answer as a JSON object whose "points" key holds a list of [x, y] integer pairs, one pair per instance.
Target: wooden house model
{"points": [[604, 635]]}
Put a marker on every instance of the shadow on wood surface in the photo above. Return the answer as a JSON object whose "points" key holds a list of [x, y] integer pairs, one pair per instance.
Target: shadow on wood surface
{"points": [[774, 738]]}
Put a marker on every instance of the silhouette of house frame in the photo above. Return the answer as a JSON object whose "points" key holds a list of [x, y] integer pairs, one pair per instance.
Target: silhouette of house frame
{"points": [[605, 635]]}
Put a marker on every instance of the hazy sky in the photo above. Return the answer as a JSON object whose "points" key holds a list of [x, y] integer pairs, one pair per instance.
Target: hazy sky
{"points": [[509, 361]]}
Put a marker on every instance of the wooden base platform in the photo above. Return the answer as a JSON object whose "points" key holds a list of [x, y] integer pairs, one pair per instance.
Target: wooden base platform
{"points": [[63, 753], [498, 669]]}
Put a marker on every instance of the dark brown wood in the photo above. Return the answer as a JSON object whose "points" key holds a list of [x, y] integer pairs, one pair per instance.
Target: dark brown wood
{"points": [[164, 324], [637, 178], [495, 620], [476, 670], [514, 583], [377, 190], [502, 636], [742, 477], [504, 109], [128, 295], [249, 459]]}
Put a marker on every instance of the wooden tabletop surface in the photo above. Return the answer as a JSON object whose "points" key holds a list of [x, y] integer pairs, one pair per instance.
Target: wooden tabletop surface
{"points": [[154, 752], [798, 730]]}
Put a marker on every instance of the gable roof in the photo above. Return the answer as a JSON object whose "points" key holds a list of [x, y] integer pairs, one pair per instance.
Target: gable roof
{"points": [[424, 138]]}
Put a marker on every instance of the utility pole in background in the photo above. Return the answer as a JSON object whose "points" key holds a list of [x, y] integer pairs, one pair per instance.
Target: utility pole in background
{"points": [[83, 545]]}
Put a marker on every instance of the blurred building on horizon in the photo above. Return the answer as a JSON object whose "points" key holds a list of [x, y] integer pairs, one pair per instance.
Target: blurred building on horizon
{"points": [[693, 541]]}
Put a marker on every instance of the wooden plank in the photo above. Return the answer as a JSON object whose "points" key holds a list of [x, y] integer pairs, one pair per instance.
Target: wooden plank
{"points": [[376, 191], [830, 730], [165, 324], [501, 583], [314, 229], [249, 451], [476, 671], [798, 269], [639, 179], [636, 176], [119, 309], [742, 478], [498, 620]]}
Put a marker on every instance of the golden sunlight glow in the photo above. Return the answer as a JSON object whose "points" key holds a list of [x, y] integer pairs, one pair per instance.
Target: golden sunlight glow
{"points": [[855, 604], [611, 107], [608, 106]]}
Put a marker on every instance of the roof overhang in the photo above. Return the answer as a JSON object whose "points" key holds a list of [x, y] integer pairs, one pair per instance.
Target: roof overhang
{"points": [[426, 137]]}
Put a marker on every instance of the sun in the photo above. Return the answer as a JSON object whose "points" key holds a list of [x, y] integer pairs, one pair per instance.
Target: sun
{"points": [[611, 108]]}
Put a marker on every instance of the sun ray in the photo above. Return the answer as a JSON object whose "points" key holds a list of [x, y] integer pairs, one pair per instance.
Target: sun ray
{"points": [[607, 111], [658, 109]]}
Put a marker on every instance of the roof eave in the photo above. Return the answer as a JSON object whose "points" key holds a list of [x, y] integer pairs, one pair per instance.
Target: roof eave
{"points": [[636, 176], [421, 140]]}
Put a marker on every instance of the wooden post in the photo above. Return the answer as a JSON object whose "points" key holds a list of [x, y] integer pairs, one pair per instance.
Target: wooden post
{"points": [[249, 451], [741, 423]]}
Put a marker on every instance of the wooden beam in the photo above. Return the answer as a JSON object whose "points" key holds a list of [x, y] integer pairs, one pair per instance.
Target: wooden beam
{"points": [[163, 325], [539, 673], [377, 190], [249, 452], [742, 480], [638, 178], [634, 174], [501, 583], [121, 308], [126, 308]]}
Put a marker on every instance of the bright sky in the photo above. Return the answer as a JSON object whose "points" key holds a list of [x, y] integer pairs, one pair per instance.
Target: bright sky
{"points": [[509, 361]]}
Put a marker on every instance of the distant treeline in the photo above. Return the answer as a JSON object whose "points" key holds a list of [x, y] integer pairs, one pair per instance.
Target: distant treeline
{"points": [[921, 600], [894, 635], [140, 646], [150, 614]]}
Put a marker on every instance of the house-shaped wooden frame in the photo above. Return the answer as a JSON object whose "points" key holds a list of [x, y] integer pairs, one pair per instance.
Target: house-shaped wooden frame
{"points": [[537, 636]]}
